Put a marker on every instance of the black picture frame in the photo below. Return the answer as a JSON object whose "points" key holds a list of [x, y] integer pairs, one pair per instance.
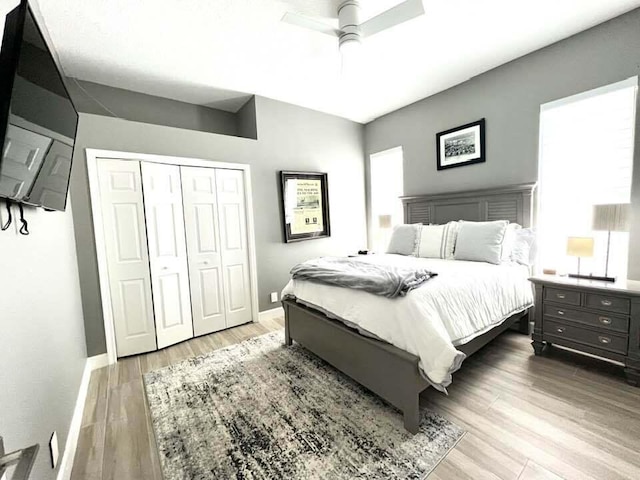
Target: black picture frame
{"points": [[468, 136], [290, 234]]}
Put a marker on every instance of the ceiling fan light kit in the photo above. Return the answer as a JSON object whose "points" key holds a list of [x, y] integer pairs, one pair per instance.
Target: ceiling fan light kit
{"points": [[351, 30]]}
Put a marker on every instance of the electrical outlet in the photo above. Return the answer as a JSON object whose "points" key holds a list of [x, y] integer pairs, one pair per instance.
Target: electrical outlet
{"points": [[53, 448], [274, 297]]}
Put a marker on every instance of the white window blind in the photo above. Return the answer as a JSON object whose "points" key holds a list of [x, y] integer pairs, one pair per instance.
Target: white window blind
{"points": [[386, 189], [586, 158]]}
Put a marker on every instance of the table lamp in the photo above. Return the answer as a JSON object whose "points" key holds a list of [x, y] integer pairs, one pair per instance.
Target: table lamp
{"points": [[610, 218], [580, 247], [383, 234]]}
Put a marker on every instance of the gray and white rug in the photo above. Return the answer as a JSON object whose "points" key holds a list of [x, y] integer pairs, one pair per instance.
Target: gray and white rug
{"points": [[260, 410]]}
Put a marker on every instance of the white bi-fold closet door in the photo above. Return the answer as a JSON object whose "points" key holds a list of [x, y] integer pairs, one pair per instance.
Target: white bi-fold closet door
{"points": [[125, 240], [233, 246], [184, 232], [167, 252], [215, 219]]}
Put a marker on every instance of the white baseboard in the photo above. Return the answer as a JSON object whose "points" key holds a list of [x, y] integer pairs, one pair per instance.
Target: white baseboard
{"points": [[66, 464], [98, 361], [271, 314]]}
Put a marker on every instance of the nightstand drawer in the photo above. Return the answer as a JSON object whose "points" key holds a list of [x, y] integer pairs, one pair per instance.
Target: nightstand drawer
{"points": [[605, 321], [605, 341], [611, 304], [562, 296]]}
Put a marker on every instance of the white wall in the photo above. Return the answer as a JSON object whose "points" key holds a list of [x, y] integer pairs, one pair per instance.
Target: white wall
{"points": [[42, 348]]}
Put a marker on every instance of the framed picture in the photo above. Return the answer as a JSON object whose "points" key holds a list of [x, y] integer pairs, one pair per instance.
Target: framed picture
{"points": [[461, 146], [305, 205]]}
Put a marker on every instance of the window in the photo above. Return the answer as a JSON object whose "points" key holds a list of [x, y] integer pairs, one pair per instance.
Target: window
{"points": [[586, 159], [386, 190]]}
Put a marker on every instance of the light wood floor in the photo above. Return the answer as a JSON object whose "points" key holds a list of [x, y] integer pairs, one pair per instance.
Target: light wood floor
{"points": [[561, 415]]}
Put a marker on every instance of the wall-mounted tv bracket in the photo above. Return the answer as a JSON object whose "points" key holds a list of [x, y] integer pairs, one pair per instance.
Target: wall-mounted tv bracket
{"points": [[22, 459], [24, 229]]}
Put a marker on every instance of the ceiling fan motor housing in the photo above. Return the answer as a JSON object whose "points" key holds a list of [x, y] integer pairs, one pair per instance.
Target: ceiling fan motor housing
{"points": [[349, 22]]}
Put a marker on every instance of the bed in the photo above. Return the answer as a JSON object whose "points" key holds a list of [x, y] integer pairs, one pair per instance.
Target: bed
{"points": [[391, 372]]}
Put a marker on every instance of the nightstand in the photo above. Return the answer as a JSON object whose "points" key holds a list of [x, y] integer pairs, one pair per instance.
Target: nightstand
{"points": [[599, 318]]}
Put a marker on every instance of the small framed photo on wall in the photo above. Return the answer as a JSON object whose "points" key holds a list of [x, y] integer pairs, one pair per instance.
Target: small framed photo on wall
{"points": [[305, 205], [461, 146]]}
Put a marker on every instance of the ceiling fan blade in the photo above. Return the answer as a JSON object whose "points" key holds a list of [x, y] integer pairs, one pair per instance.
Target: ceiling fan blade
{"points": [[310, 23], [407, 10]]}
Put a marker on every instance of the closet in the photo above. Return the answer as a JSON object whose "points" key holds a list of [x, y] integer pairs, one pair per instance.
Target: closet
{"points": [[176, 246]]}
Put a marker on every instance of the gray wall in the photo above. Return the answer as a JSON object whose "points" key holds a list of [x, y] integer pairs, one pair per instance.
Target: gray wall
{"points": [[289, 138], [246, 121], [509, 97], [101, 99], [42, 338]]}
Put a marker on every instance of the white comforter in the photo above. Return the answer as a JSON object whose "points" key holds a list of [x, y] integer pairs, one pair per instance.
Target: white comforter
{"points": [[465, 300]]}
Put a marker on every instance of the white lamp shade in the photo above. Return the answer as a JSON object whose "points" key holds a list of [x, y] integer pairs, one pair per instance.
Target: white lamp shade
{"points": [[384, 221], [580, 246], [611, 218]]}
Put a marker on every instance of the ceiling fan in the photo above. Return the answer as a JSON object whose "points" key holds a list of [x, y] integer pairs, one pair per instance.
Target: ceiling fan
{"points": [[350, 31]]}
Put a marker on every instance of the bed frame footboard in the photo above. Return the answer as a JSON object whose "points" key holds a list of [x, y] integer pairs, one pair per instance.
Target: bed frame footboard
{"points": [[386, 370]]}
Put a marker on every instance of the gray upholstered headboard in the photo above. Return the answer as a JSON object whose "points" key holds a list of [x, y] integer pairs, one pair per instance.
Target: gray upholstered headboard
{"points": [[514, 203]]}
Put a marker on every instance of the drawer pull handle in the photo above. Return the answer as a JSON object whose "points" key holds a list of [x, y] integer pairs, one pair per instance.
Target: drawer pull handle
{"points": [[605, 320], [561, 295], [560, 312], [606, 303], [560, 329], [604, 340]]}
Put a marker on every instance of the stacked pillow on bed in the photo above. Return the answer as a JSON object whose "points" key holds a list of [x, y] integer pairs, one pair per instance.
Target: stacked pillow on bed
{"points": [[494, 242]]}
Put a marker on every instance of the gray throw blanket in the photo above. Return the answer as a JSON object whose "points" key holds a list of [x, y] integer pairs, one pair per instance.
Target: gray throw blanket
{"points": [[382, 280]]}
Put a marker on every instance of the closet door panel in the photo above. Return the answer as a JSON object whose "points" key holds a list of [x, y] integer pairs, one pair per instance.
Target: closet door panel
{"points": [[127, 256], [237, 292], [167, 253], [234, 248], [203, 247], [211, 289]]}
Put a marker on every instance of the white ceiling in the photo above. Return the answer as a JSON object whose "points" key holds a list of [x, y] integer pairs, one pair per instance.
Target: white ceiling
{"points": [[208, 51]]}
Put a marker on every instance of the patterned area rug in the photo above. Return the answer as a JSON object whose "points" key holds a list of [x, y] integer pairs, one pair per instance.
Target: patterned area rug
{"points": [[260, 410]]}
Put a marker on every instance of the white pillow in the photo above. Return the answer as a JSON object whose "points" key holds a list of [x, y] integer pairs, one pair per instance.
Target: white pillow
{"points": [[438, 241], [405, 239], [509, 241], [524, 247], [481, 241]]}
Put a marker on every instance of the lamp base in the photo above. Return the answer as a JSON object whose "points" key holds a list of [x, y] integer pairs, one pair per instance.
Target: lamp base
{"points": [[592, 277]]}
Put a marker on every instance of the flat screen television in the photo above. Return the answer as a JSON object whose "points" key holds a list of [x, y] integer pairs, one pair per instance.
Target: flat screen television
{"points": [[38, 121]]}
